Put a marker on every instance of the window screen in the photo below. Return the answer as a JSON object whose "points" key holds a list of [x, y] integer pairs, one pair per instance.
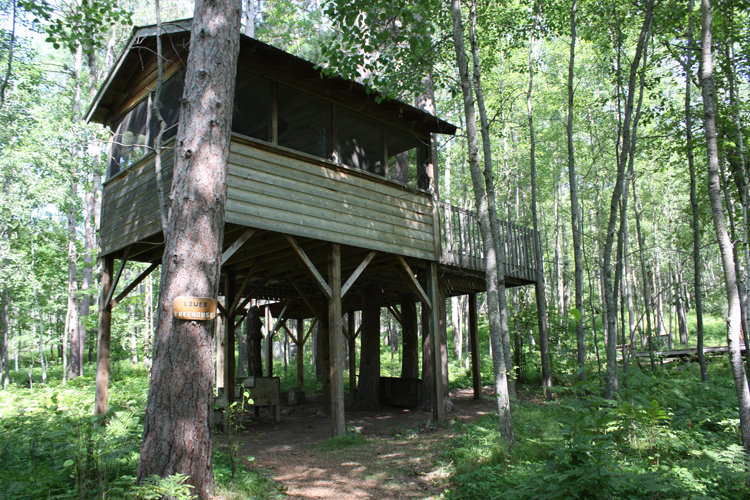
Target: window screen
{"points": [[402, 154], [136, 132], [252, 106], [304, 122], [360, 141]]}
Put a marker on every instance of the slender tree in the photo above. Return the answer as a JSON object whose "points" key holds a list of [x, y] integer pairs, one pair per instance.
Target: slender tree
{"points": [[717, 210]]}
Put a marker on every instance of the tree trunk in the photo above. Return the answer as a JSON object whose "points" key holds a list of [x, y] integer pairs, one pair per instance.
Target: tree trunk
{"points": [[494, 224], [4, 359], [609, 292], [488, 241], [409, 337], [725, 245], [367, 395], [178, 426], [575, 211]]}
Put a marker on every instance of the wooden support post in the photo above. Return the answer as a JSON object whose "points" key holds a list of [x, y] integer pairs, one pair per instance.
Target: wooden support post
{"points": [[269, 343], [220, 341], [438, 409], [229, 361], [301, 354], [104, 333], [335, 339], [476, 371], [352, 353]]}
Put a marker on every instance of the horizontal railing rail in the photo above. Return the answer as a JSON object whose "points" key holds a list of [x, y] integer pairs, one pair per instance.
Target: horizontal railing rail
{"points": [[461, 243]]}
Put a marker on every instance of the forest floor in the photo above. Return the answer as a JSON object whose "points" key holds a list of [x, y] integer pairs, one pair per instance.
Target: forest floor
{"points": [[395, 453]]}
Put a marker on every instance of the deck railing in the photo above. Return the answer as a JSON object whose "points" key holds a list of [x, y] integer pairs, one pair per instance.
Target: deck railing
{"points": [[461, 243]]}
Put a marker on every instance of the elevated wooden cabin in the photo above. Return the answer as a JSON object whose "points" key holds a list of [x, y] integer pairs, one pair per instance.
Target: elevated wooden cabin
{"points": [[325, 183]]}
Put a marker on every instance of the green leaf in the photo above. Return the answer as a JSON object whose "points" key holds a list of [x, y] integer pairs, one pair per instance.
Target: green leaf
{"points": [[68, 463]]}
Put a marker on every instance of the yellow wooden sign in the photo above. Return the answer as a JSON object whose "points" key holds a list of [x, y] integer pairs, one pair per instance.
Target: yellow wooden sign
{"points": [[194, 308]]}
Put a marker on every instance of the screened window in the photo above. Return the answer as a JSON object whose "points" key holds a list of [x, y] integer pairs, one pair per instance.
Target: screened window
{"points": [[136, 131], [402, 154], [304, 122], [360, 141], [252, 106]]}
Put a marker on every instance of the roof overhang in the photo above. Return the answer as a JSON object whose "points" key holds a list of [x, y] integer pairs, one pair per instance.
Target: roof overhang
{"points": [[101, 110]]}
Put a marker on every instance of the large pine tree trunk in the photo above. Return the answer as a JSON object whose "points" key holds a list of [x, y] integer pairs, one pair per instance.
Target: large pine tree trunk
{"points": [[178, 426], [367, 395], [717, 211]]}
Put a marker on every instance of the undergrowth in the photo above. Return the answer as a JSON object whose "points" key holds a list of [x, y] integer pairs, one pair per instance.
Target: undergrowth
{"points": [[667, 436], [51, 446]]}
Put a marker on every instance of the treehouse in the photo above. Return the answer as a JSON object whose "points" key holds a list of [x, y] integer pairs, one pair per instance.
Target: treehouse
{"points": [[328, 190]]}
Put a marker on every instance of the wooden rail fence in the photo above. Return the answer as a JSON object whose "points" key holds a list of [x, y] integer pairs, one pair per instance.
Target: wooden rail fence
{"points": [[461, 243]]}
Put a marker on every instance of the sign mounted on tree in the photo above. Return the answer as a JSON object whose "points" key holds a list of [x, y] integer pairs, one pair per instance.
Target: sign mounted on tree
{"points": [[194, 308]]}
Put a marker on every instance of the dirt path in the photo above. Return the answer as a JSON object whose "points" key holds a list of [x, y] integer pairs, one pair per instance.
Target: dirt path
{"points": [[397, 460]]}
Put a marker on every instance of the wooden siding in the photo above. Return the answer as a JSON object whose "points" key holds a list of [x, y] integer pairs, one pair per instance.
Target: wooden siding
{"points": [[292, 195], [130, 206], [282, 191]]}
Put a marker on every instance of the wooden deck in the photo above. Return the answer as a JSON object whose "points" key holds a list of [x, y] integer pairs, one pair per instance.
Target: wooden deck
{"points": [[681, 353]]}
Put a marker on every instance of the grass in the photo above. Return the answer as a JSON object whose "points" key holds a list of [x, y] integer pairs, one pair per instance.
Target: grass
{"points": [[349, 440]]}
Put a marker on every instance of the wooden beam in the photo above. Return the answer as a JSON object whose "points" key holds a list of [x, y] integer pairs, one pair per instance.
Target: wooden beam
{"points": [[357, 272], [305, 260], [280, 319], [414, 284], [229, 340], [134, 284], [294, 337], [335, 342], [395, 314], [123, 261], [248, 276], [307, 335], [221, 309], [476, 371], [252, 294], [438, 409], [306, 300], [352, 353], [104, 335], [236, 246]]}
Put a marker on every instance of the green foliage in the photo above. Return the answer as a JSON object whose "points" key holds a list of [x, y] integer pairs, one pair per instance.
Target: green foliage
{"points": [[51, 446], [649, 444], [351, 439], [155, 488]]}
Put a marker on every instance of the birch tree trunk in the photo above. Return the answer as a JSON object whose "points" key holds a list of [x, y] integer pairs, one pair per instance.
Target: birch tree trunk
{"points": [[717, 211], [178, 426], [540, 290], [609, 292], [488, 242], [697, 262], [575, 212]]}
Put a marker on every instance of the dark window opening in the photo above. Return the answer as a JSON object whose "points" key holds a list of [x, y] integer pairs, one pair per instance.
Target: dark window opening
{"points": [[304, 122], [360, 142], [252, 106]]}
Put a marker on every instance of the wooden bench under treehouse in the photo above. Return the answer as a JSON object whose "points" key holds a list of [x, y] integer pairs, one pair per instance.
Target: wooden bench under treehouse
{"points": [[327, 189]]}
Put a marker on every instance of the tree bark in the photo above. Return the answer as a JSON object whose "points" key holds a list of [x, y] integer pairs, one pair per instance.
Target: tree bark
{"points": [[609, 292], [367, 395], [488, 240], [575, 211], [725, 245], [178, 426]]}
